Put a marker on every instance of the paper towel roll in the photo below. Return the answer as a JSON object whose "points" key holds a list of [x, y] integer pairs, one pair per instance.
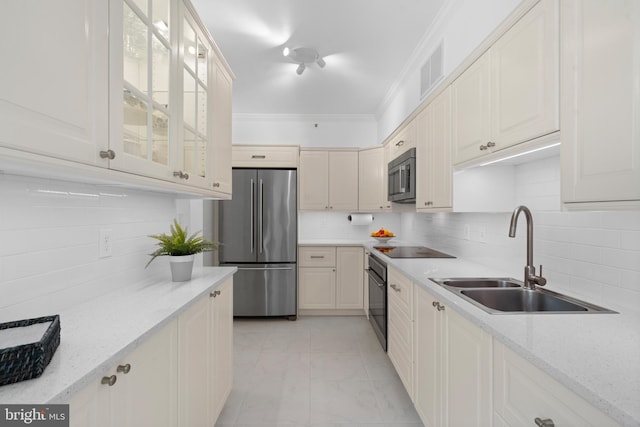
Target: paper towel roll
{"points": [[361, 219]]}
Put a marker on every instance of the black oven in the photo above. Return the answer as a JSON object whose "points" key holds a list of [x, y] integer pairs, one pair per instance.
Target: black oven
{"points": [[378, 298]]}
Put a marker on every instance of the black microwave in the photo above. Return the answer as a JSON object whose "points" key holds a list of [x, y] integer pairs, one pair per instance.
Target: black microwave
{"points": [[402, 177]]}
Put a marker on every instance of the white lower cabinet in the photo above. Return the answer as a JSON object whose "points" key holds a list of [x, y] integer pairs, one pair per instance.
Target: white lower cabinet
{"points": [[331, 278], [205, 357], [139, 391], [400, 326], [452, 379], [181, 376], [523, 393]]}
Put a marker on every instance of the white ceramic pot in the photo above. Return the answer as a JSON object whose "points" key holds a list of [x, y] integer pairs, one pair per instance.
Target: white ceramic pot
{"points": [[181, 267]]}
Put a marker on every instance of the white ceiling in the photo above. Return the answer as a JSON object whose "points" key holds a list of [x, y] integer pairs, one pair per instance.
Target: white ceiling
{"points": [[366, 45]]}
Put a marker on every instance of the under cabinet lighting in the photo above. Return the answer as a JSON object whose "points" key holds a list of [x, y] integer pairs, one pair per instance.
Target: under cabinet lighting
{"points": [[502, 159]]}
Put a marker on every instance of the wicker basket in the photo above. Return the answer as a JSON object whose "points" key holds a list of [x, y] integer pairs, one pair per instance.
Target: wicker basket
{"points": [[27, 361]]}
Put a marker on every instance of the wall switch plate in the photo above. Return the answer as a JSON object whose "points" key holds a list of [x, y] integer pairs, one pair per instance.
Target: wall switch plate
{"points": [[105, 242], [466, 234]]}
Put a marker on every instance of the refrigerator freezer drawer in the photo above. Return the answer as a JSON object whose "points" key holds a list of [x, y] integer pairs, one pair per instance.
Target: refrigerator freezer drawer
{"points": [[264, 290]]}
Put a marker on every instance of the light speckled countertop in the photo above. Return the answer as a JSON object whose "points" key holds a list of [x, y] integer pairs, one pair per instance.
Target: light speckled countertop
{"points": [[96, 335], [597, 356]]}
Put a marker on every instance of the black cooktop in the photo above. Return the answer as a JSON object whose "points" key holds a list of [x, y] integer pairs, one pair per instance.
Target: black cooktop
{"points": [[411, 252]]}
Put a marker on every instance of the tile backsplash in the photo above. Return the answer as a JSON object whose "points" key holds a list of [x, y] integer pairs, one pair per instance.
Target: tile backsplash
{"points": [[49, 232]]}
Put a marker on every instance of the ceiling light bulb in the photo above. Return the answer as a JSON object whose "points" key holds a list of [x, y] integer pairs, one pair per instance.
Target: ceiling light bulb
{"points": [[321, 63], [300, 69], [286, 51]]}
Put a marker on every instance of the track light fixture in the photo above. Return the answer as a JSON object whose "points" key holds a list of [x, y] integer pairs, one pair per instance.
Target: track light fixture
{"points": [[303, 56]]}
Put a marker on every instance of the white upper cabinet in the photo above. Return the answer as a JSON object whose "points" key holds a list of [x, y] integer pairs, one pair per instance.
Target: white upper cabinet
{"points": [[600, 72], [372, 176], [525, 78], [221, 149], [55, 75], [511, 93], [328, 180], [433, 155]]}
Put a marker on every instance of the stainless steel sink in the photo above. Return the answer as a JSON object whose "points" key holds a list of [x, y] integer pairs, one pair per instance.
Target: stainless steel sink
{"points": [[482, 282], [507, 296]]}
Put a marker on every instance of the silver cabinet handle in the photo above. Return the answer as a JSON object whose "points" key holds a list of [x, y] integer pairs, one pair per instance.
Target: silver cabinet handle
{"points": [[181, 174], [547, 422], [491, 144], [316, 256], [109, 154], [437, 305], [400, 143], [125, 369], [258, 156], [395, 288], [483, 147], [440, 307], [110, 381], [216, 184], [214, 294]]}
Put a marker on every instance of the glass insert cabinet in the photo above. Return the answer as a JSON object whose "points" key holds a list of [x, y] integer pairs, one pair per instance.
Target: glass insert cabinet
{"points": [[161, 97]]}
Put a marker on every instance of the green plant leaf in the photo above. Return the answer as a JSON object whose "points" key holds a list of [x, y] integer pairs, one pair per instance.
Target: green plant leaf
{"points": [[179, 243]]}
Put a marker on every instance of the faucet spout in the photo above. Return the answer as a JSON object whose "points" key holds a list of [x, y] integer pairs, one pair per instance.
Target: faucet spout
{"points": [[530, 278]]}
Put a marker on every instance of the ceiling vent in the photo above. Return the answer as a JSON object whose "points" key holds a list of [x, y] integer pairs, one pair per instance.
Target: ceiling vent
{"points": [[432, 71]]}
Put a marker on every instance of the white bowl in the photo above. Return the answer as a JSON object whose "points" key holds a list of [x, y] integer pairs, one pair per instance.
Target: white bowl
{"points": [[383, 239]]}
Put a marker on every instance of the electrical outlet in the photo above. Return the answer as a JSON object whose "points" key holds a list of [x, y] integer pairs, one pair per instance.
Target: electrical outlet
{"points": [[482, 235], [466, 232], [105, 242]]}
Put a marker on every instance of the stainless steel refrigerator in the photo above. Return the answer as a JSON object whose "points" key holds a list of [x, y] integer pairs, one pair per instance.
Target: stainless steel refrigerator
{"points": [[258, 233]]}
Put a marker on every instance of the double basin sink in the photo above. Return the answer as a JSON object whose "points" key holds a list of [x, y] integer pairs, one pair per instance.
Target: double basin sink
{"points": [[506, 295]]}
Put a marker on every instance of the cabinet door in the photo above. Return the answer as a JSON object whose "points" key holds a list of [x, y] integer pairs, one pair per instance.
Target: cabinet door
{"points": [[349, 280], [221, 145], [343, 180], [471, 110], [142, 110], [222, 346], [55, 81], [427, 374], [524, 393], [314, 180], [433, 155], [317, 288], [467, 363], [525, 78], [147, 395], [372, 174], [405, 140], [91, 407], [194, 366], [600, 101]]}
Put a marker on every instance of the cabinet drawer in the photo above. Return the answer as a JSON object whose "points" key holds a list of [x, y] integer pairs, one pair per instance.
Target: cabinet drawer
{"points": [[400, 291], [403, 141], [264, 156], [523, 392], [317, 256], [401, 324]]}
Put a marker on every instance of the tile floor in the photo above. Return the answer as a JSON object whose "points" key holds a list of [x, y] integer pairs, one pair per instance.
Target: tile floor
{"points": [[314, 372]]}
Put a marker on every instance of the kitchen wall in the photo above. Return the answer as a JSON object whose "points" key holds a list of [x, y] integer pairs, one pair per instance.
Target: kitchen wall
{"points": [[49, 233], [310, 131], [592, 255]]}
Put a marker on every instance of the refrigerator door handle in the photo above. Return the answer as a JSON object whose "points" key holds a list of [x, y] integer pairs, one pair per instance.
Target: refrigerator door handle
{"points": [[252, 234], [260, 213], [265, 268]]}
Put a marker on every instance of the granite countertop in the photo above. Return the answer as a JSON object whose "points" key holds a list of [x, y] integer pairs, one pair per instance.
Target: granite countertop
{"points": [[97, 334], [597, 356]]}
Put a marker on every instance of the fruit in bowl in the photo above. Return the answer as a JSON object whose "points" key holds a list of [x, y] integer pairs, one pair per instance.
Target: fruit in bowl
{"points": [[382, 233]]}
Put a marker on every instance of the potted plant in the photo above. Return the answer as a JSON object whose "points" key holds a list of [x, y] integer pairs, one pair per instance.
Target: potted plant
{"points": [[181, 248]]}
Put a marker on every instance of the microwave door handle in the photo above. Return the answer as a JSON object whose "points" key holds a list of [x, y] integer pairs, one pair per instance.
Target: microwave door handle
{"points": [[402, 179]]}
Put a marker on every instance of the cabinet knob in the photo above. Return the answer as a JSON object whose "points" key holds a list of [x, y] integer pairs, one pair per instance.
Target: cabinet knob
{"points": [[124, 368], [440, 307], [547, 422], [178, 174], [483, 147], [110, 381], [491, 144], [395, 287], [214, 294], [400, 143], [437, 305], [216, 184], [109, 154]]}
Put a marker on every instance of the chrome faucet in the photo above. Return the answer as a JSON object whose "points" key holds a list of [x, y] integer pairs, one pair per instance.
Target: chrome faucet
{"points": [[530, 278]]}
